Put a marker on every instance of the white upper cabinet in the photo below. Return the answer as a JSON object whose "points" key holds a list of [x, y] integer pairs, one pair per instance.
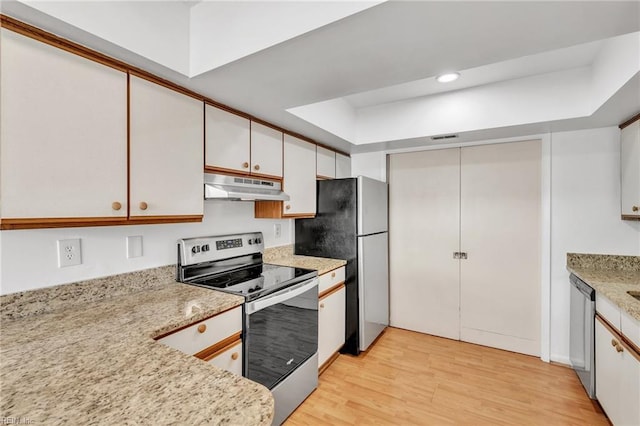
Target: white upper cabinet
{"points": [[630, 170], [227, 140], [325, 163], [166, 155], [235, 144], [343, 166], [63, 132], [266, 151], [299, 179]]}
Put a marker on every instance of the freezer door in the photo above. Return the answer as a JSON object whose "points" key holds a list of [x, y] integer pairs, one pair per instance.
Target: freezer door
{"points": [[372, 206], [373, 287]]}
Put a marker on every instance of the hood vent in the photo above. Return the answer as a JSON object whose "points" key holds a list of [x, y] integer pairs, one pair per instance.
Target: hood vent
{"points": [[442, 137], [223, 187]]}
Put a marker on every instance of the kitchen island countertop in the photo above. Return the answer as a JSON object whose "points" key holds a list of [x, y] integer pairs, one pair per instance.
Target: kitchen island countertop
{"points": [[71, 355]]}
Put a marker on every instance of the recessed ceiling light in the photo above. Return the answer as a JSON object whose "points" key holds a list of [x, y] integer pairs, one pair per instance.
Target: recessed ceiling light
{"points": [[448, 77]]}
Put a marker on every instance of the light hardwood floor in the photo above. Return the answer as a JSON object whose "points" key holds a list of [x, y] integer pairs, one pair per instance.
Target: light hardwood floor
{"points": [[409, 378]]}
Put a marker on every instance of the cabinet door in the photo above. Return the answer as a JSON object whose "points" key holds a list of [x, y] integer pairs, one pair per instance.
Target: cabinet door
{"points": [[299, 180], [343, 166], [607, 373], [424, 219], [63, 131], [500, 228], [266, 151], [227, 140], [325, 163], [630, 169], [229, 359], [166, 155], [331, 325]]}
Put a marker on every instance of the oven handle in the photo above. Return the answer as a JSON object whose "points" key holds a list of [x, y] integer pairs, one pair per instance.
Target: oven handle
{"points": [[280, 296]]}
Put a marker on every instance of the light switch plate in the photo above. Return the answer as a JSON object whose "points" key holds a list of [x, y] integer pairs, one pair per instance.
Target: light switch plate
{"points": [[69, 253], [277, 230], [134, 246]]}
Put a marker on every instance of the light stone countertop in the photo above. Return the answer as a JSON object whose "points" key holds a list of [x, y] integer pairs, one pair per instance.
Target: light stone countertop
{"points": [[611, 276], [284, 256], [91, 359]]}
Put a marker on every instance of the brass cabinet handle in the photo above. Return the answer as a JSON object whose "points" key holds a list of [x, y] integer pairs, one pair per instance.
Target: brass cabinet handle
{"points": [[202, 328], [288, 207], [245, 165], [256, 167], [143, 205], [116, 205], [614, 342], [322, 305], [619, 348], [635, 208], [333, 275], [234, 356]]}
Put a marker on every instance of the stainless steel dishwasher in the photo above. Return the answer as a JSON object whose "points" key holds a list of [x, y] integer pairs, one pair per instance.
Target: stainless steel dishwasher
{"points": [[582, 337]]}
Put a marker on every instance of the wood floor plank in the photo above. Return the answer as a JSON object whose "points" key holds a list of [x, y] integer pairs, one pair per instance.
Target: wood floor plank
{"points": [[409, 378]]}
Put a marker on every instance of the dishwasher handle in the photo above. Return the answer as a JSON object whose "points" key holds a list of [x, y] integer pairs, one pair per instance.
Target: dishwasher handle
{"points": [[583, 287]]}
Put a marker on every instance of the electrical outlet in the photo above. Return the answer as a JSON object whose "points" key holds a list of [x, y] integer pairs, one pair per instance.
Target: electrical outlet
{"points": [[134, 246], [277, 230], [69, 253]]}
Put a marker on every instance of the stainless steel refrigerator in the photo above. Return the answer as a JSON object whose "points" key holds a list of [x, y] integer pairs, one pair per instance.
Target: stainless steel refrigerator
{"points": [[351, 224]]}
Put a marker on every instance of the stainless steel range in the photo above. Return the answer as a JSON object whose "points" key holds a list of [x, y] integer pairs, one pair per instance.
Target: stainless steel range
{"points": [[280, 336]]}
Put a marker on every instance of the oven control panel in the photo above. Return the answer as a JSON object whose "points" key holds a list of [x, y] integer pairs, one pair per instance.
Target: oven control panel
{"points": [[205, 249]]}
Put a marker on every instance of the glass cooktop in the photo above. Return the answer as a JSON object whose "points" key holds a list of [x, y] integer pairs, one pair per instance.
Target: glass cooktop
{"points": [[256, 280]]}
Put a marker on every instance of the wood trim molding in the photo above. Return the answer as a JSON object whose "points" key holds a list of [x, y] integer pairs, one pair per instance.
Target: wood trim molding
{"points": [[175, 330], [59, 222], [630, 217], [630, 121], [322, 177], [238, 173], [334, 289], [7, 224], [219, 347], [624, 340], [328, 362]]}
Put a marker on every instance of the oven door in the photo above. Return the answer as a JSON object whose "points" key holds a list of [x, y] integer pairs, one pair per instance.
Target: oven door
{"points": [[281, 332]]}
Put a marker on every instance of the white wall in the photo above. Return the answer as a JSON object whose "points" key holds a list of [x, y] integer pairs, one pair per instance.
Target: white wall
{"points": [[585, 214], [28, 258]]}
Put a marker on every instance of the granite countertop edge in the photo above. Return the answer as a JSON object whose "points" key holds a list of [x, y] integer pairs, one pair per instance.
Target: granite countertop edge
{"points": [[614, 285]]}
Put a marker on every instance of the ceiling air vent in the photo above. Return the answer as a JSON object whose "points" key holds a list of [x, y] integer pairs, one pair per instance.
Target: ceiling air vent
{"points": [[442, 137]]}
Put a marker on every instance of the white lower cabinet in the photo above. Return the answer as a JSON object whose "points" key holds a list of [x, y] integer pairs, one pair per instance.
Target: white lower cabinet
{"points": [[617, 377], [216, 340], [331, 324], [229, 358]]}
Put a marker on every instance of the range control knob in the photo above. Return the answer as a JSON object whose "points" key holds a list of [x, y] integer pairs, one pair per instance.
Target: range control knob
{"points": [[195, 249], [205, 247], [258, 240], [250, 241]]}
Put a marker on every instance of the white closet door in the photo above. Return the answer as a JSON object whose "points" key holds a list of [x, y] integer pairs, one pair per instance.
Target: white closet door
{"points": [[424, 197], [500, 231]]}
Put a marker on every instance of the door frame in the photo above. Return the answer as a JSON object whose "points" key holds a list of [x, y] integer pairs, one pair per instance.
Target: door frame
{"points": [[545, 237]]}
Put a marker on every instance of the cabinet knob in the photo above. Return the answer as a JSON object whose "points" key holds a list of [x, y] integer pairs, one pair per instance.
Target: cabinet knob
{"points": [[635, 208], [256, 167], [322, 305], [245, 165], [333, 275], [202, 328], [619, 348], [143, 205], [614, 342], [288, 207], [116, 205], [234, 356]]}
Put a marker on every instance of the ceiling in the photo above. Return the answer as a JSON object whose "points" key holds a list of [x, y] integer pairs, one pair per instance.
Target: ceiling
{"points": [[363, 79]]}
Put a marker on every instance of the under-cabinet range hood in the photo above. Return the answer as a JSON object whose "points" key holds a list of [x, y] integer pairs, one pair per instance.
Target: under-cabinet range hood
{"points": [[222, 187]]}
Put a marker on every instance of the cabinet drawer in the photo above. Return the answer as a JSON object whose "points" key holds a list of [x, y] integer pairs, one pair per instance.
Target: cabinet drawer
{"points": [[630, 328], [202, 335], [229, 358], [330, 279], [608, 310]]}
